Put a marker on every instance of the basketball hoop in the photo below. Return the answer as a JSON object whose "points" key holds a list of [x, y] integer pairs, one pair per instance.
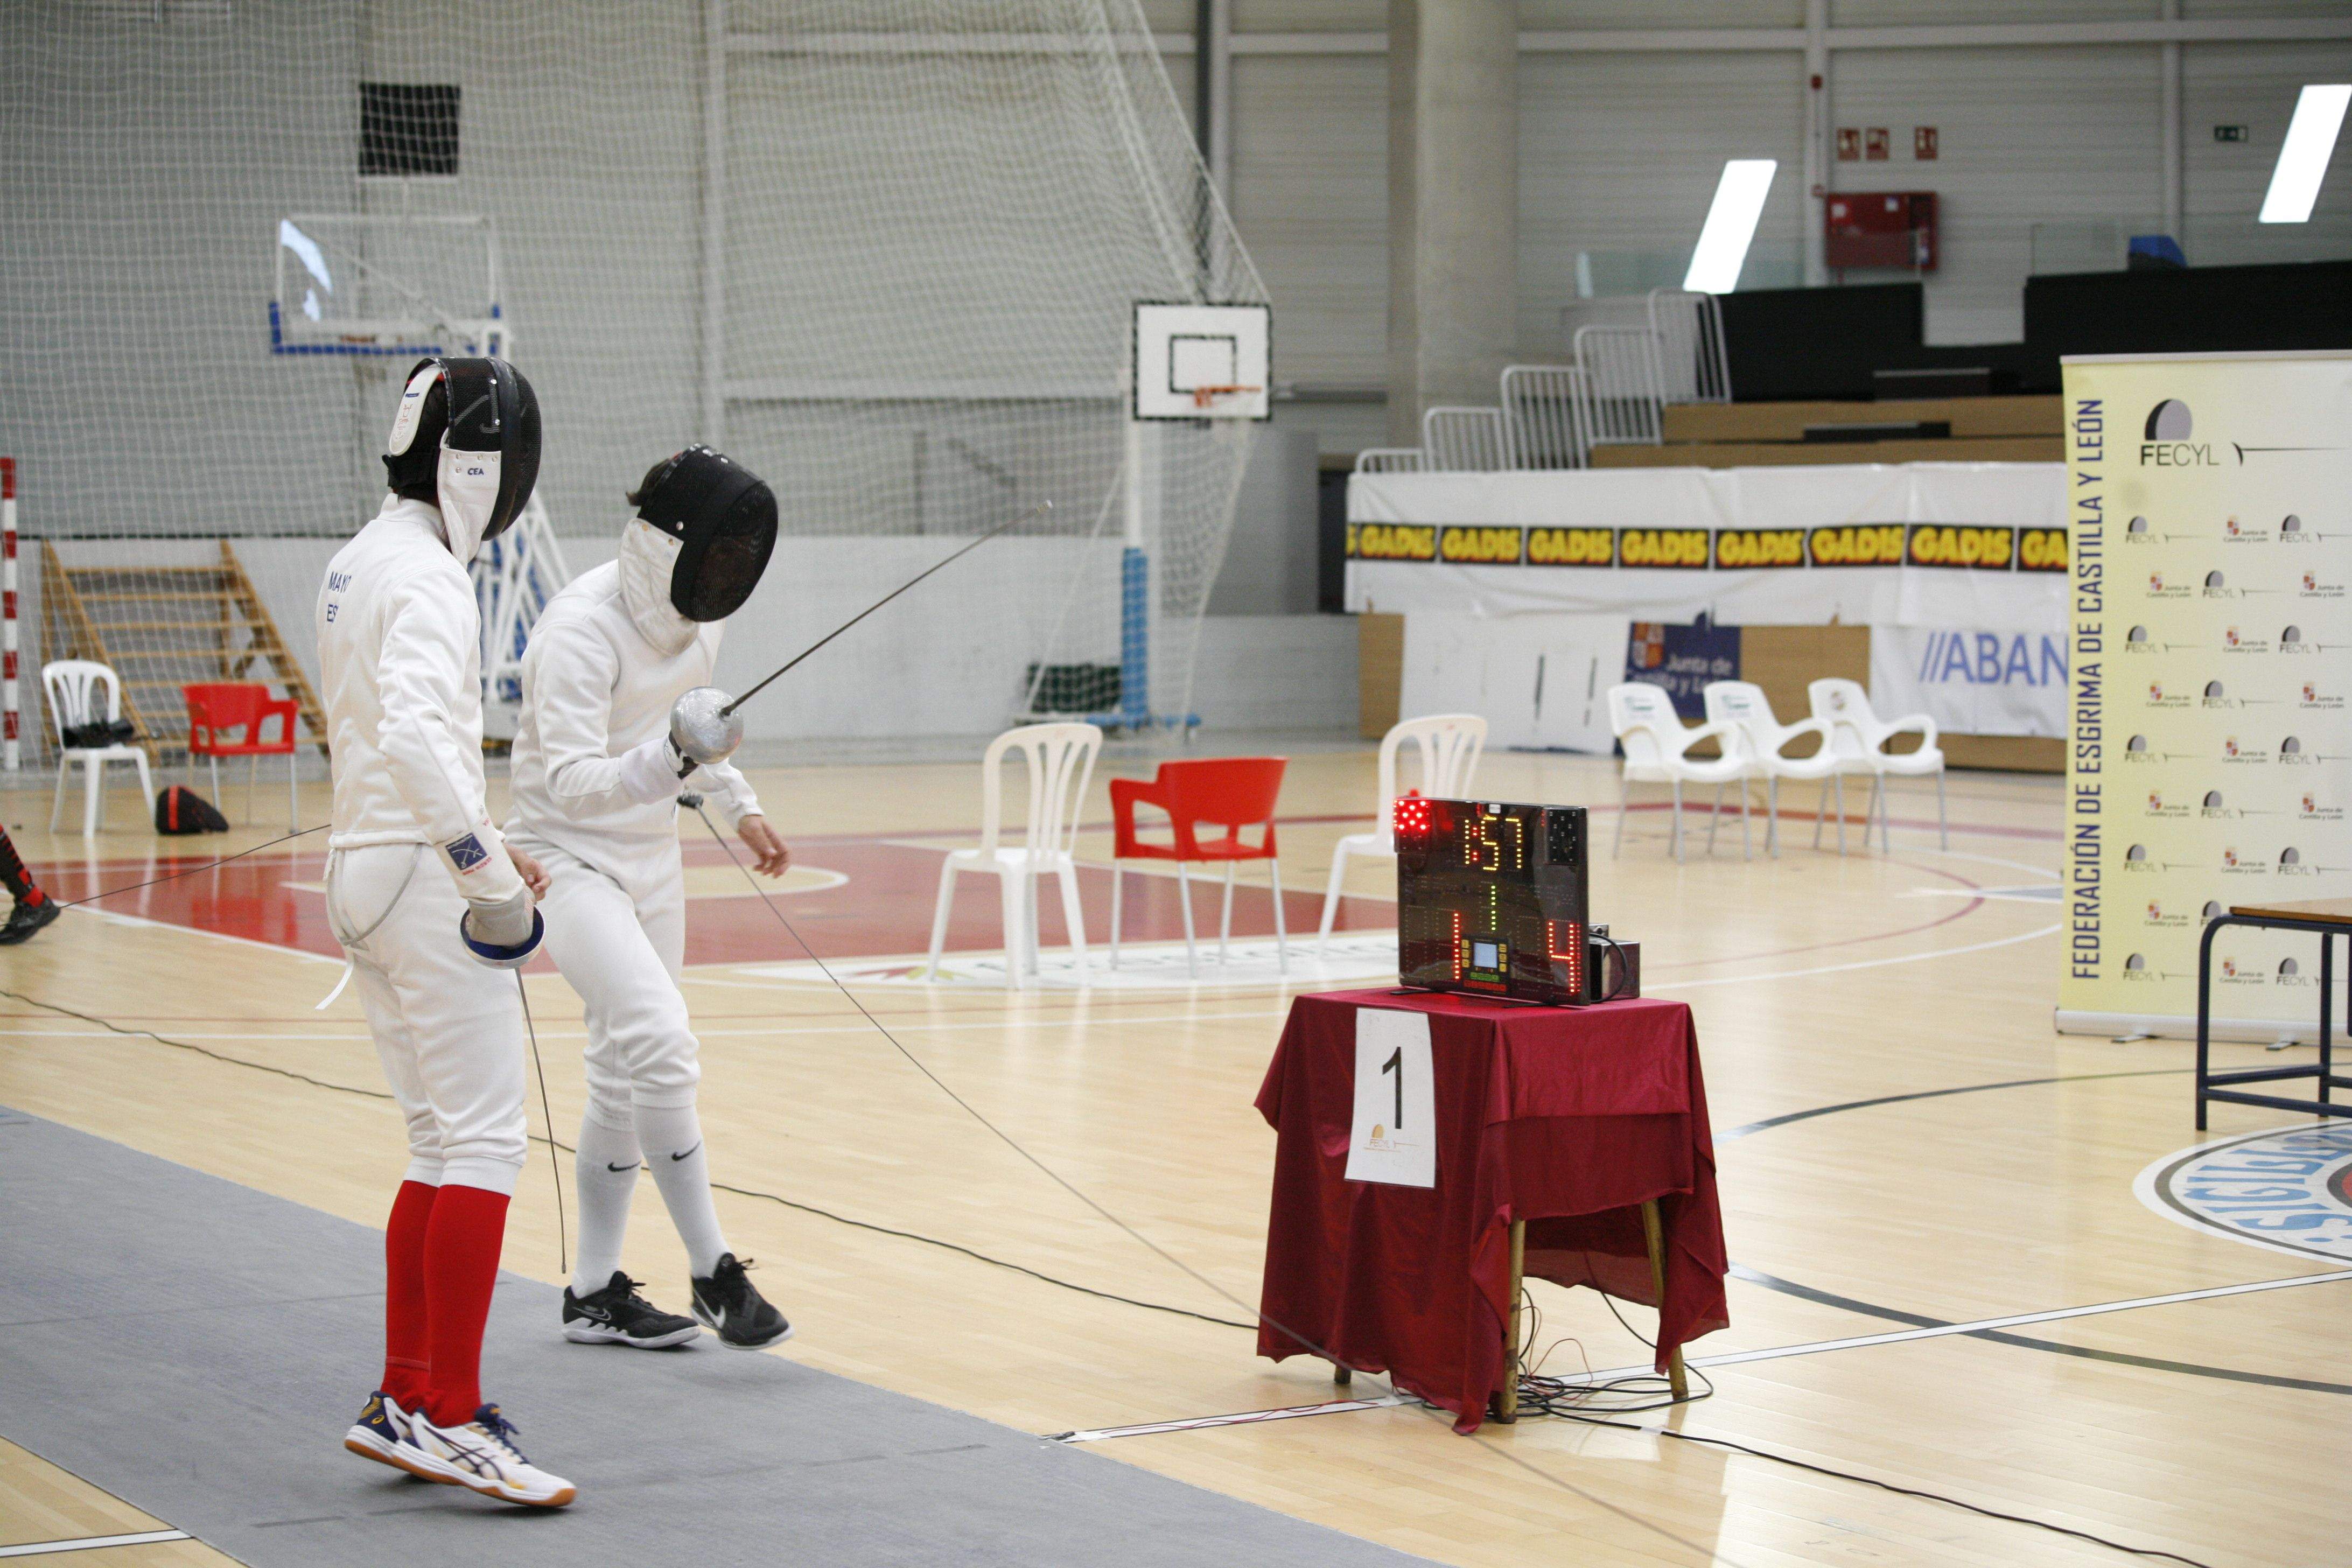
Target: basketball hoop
{"points": [[1205, 397]]}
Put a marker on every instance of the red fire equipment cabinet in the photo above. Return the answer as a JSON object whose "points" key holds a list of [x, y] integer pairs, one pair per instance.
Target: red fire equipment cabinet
{"points": [[1880, 228]]}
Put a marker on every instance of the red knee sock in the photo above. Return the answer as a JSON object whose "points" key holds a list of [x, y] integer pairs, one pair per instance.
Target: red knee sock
{"points": [[406, 1348], [461, 1266], [15, 878]]}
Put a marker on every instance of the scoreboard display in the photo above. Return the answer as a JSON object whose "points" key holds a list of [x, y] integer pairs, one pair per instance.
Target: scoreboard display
{"points": [[1492, 899]]}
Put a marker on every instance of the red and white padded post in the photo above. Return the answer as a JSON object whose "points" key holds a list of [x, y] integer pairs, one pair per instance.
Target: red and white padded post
{"points": [[11, 729]]}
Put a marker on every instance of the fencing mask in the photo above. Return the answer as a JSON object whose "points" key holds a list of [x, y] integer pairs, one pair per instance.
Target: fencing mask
{"points": [[722, 520], [467, 438]]}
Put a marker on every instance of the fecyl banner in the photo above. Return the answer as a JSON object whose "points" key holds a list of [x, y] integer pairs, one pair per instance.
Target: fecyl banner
{"points": [[2209, 742]]}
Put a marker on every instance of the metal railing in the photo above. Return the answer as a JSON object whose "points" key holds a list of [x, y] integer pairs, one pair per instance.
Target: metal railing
{"points": [[1694, 365], [1621, 396], [1540, 416], [1632, 356], [1464, 440]]}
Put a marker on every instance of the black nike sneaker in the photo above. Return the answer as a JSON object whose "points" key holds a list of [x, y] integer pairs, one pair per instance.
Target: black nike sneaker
{"points": [[25, 919], [732, 1306], [617, 1315]]}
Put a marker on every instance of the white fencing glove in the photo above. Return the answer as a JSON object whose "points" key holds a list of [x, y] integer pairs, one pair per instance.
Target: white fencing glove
{"points": [[504, 934]]}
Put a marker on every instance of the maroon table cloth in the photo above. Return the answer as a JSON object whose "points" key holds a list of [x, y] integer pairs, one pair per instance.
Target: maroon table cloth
{"points": [[1567, 1118]]}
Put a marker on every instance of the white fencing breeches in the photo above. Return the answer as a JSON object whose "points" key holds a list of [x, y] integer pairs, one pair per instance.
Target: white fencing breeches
{"points": [[450, 1031], [622, 950]]}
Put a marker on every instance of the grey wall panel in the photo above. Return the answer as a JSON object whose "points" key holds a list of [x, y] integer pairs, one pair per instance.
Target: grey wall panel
{"points": [[602, 252], [1925, 13], [143, 172], [1310, 16], [1620, 154], [2026, 136], [148, 179], [1662, 13], [1310, 197], [2256, 85], [2203, 10]]}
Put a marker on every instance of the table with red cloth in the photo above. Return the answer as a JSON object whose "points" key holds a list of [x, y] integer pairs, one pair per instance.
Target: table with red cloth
{"points": [[1567, 1118]]}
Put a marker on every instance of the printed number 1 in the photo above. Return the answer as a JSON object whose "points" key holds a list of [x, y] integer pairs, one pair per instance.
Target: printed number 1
{"points": [[1395, 1064]]}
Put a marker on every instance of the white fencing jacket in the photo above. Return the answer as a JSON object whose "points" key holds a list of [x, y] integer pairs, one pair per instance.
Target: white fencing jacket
{"points": [[400, 642], [595, 691]]}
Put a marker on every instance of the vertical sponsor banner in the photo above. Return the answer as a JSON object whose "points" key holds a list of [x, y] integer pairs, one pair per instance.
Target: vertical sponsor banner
{"points": [[2210, 641]]}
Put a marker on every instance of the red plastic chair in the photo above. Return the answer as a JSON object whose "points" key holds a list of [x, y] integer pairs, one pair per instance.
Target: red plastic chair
{"points": [[1233, 793], [225, 720]]}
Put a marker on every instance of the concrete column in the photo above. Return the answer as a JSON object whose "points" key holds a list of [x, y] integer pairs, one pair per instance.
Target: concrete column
{"points": [[1454, 203]]}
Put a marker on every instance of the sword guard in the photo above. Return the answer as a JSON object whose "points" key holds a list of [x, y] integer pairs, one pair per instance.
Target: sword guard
{"points": [[702, 729]]}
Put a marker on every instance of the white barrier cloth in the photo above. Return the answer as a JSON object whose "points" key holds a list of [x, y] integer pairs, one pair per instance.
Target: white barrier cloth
{"points": [[1978, 545], [1971, 681]]}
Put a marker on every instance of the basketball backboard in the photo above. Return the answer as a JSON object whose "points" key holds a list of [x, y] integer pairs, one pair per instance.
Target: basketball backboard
{"points": [[1201, 361], [406, 284]]}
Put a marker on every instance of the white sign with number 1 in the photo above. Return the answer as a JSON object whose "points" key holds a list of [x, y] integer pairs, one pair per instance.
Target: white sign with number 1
{"points": [[1394, 1138]]}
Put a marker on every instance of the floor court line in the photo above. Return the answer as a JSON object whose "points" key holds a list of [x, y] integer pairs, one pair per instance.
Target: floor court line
{"points": [[1736, 1358], [1080, 1022], [92, 1543]]}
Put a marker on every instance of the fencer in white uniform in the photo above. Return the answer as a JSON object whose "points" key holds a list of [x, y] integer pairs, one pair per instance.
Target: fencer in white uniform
{"points": [[597, 779], [431, 906]]}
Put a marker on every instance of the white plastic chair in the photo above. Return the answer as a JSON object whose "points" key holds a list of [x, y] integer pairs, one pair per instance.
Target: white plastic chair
{"points": [[72, 685], [1450, 744], [1743, 703], [1860, 737], [1656, 748], [1061, 760]]}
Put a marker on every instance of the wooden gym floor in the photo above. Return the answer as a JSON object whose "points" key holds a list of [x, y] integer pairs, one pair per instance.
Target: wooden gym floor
{"points": [[1904, 1143]]}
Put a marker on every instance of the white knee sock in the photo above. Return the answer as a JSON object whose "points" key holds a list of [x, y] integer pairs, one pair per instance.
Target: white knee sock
{"points": [[672, 1140], [605, 1172]]}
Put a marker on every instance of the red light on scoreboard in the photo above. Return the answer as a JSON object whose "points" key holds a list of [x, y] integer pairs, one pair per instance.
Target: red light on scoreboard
{"points": [[1564, 944], [1411, 817]]}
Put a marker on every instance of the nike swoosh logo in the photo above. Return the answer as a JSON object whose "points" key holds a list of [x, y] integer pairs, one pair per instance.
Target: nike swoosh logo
{"points": [[675, 1157], [611, 1167]]}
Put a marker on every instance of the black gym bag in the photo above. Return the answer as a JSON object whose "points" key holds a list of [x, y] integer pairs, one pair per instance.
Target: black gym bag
{"points": [[179, 810]]}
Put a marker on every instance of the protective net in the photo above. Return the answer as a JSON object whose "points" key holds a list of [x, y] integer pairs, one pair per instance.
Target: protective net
{"points": [[886, 252]]}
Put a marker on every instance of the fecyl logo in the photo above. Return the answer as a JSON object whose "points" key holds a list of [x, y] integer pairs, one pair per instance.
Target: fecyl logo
{"points": [[2167, 443]]}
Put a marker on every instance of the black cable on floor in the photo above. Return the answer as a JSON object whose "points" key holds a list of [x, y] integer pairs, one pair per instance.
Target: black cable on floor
{"points": [[1567, 1398], [207, 865], [1561, 1482], [226, 1060], [1882, 1486], [1541, 1395]]}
